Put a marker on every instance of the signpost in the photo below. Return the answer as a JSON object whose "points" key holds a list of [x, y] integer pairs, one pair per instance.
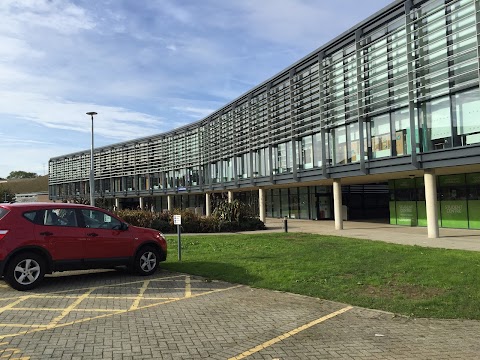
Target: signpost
{"points": [[177, 220]]}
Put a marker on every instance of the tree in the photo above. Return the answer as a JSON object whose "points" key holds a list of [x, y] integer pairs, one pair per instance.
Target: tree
{"points": [[22, 175], [6, 195]]}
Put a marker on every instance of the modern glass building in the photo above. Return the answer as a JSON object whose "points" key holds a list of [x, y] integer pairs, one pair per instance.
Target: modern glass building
{"points": [[381, 122]]}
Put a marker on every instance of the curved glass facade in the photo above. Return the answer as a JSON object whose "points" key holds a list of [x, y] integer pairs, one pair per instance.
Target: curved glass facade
{"points": [[398, 92]]}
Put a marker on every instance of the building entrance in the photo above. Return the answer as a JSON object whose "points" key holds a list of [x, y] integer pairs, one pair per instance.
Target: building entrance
{"points": [[367, 202], [324, 206]]}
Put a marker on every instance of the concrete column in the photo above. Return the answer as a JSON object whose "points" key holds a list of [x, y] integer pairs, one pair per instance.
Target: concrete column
{"points": [[261, 204], [337, 204], [141, 204], [117, 204], [431, 203], [230, 197], [208, 208], [170, 202]]}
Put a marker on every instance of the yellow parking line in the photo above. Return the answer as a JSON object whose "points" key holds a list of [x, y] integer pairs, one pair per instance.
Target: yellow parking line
{"points": [[288, 334], [112, 285], [68, 309], [188, 288], [23, 325], [140, 295], [61, 309], [11, 305], [54, 326]]}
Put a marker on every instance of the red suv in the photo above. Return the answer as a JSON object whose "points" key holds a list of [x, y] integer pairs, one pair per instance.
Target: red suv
{"points": [[40, 238]]}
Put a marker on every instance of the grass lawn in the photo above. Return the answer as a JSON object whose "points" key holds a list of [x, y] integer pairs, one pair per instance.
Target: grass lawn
{"points": [[409, 280]]}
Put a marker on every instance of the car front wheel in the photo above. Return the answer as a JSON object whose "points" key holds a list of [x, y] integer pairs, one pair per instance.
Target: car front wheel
{"points": [[146, 261], [25, 271]]}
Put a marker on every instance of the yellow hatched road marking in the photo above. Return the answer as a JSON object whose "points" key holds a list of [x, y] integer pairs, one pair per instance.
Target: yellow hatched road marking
{"points": [[67, 310], [22, 325], [11, 305], [188, 287], [288, 334], [140, 295], [167, 278], [61, 309], [54, 326], [106, 297]]}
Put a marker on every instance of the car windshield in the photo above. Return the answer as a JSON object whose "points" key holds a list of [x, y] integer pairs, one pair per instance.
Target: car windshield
{"points": [[3, 212]]}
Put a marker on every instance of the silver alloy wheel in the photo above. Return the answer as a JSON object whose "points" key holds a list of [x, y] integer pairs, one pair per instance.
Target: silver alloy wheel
{"points": [[27, 271], [148, 261]]}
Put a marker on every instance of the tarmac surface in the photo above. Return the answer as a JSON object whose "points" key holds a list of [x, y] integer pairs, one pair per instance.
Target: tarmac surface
{"points": [[114, 315]]}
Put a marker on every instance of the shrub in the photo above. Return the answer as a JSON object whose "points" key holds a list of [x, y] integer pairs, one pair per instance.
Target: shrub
{"points": [[227, 217], [137, 217], [234, 211], [162, 225]]}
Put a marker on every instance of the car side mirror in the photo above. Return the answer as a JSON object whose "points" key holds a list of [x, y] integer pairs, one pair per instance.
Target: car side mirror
{"points": [[124, 227]]}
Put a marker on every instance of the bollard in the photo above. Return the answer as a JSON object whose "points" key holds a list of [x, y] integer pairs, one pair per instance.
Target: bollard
{"points": [[285, 224]]}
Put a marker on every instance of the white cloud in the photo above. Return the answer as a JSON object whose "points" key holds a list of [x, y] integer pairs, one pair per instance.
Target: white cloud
{"points": [[197, 113], [112, 122], [145, 67], [59, 15], [12, 49]]}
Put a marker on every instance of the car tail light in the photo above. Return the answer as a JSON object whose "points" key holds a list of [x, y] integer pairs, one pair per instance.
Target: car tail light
{"points": [[3, 233]]}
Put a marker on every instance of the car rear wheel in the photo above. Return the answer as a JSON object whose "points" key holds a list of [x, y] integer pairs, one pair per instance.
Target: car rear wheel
{"points": [[25, 271], [146, 261]]}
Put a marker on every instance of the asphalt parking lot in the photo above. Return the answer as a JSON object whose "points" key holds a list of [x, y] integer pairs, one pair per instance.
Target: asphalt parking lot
{"points": [[114, 315]]}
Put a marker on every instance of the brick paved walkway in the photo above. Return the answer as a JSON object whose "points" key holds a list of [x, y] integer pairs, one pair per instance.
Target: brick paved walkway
{"points": [[111, 315]]}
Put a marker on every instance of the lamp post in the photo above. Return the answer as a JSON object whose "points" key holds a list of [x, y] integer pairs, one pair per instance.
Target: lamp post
{"points": [[92, 179]]}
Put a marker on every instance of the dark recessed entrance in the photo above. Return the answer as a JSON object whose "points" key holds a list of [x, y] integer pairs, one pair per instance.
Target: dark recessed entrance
{"points": [[367, 202]]}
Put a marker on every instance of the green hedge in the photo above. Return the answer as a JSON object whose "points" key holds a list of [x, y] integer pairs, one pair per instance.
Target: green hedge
{"points": [[191, 222]]}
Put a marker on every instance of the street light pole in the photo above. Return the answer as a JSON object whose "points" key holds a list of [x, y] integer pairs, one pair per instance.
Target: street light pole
{"points": [[92, 176]]}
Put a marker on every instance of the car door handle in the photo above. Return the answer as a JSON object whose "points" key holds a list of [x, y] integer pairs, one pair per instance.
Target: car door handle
{"points": [[46, 233], [92, 234]]}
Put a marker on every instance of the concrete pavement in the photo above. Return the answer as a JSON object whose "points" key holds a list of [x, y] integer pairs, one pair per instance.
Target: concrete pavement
{"points": [[461, 239]]}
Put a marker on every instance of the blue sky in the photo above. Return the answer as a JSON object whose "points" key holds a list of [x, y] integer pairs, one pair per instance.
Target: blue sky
{"points": [[145, 67]]}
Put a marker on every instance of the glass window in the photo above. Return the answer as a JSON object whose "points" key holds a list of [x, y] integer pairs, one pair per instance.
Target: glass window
{"points": [[268, 203], [289, 156], [354, 142], [294, 203], [276, 203], [256, 162], [284, 157], [99, 220], [339, 145], [453, 193], [467, 110], [275, 160], [405, 194], [303, 203], [436, 124], [264, 169], [130, 183], [214, 172], [474, 192], [117, 185], [60, 217], [305, 153], [317, 150], [169, 179], [33, 216], [380, 133], [228, 169], [401, 122], [284, 202]]}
